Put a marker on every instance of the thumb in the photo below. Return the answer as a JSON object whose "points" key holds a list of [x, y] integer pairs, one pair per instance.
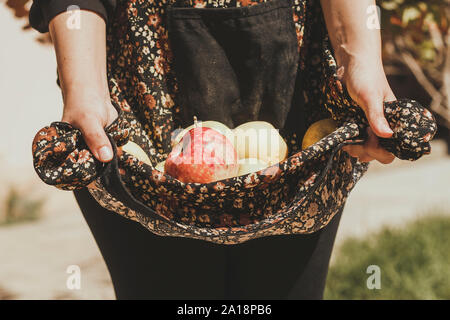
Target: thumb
{"points": [[374, 111], [96, 139]]}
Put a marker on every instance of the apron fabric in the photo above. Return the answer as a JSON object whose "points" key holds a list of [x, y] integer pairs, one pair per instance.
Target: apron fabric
{"points": [[232, 61]]}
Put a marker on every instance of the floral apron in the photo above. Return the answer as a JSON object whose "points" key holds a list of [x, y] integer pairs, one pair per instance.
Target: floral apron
{"points": [[231, 61]]}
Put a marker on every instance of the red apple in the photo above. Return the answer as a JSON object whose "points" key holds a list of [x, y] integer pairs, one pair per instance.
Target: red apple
{"points": [[203, 155]]}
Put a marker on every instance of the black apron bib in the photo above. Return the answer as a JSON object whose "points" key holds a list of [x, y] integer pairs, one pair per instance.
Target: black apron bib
{"points": [[235, 65]]}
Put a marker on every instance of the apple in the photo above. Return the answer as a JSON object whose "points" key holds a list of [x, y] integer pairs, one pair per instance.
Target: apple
{"points": [[317, 131], [203, 155], [250, 165], [259, 139]]}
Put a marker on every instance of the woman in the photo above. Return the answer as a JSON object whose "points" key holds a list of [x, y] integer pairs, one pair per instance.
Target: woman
{"points": [[143, 265]]}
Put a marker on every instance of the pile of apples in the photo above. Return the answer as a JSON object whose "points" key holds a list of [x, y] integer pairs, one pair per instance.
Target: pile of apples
{"points": [[210, 151]]}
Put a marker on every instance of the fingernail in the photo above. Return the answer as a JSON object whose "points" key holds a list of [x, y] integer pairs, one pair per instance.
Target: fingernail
{"points": [[387, 128], [105, 153]]}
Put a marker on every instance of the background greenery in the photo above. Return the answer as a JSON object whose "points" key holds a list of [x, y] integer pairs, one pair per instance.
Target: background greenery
{"points": [[416, 41], [20, 206], [414, 263]]}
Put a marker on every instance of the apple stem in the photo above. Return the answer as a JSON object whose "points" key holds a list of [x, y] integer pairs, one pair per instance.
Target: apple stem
{"points": [[195, 122]]}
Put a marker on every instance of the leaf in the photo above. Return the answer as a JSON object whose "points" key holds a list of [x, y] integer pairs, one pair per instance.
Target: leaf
{"points": [[390, 5], [410, 14], [427, 50], [19, 7]]}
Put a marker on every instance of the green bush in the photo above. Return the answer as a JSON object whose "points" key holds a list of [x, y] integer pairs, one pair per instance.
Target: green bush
{"points": [[417, 21], [414, 263], [19, 207]]}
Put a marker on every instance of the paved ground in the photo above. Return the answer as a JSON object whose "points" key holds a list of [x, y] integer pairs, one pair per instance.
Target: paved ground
{"points": [[392, 195], [34, 256]]}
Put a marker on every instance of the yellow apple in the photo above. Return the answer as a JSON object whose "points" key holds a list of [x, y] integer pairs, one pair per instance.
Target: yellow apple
{"points": [[135, 150], [259, 139], [250, 165], [317, 131]]}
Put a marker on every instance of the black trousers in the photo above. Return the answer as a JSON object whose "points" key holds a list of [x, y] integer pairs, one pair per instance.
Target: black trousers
{"points": [[143, 265]]}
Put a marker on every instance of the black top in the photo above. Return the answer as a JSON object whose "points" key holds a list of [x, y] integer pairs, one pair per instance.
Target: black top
{"points": [[42, 11]]}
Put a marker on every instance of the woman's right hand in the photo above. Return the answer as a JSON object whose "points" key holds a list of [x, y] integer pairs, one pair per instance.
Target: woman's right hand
{"points": [[81, 56], [91, 114]]}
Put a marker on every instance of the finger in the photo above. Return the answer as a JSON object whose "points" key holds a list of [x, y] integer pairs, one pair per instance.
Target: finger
{"points": [[386, 159], [354, 150], [383, 156], [374, 110], [375, 150], [365, 158], [96, 139], [359, 152]]}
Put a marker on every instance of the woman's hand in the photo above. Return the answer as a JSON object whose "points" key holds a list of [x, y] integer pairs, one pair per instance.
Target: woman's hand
{"points": [[91, 114], [81, 57], [368, 87], [357, 48]]}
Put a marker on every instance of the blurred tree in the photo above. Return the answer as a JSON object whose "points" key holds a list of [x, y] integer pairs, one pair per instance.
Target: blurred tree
{"points": [[21, 9], [416, 36]]}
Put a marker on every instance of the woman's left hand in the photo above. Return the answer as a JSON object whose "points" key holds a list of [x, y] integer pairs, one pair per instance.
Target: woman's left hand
{"points": [[367, 85]]}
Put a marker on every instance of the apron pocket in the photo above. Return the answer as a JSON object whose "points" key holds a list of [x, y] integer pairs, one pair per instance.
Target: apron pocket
{"points": [[235, 65]]}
